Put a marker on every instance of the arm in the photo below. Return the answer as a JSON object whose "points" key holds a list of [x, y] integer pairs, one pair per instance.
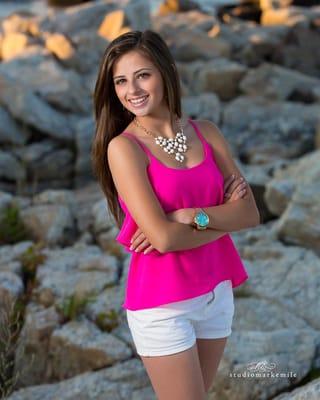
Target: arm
{"points": [[126, 160], [232, 215]]}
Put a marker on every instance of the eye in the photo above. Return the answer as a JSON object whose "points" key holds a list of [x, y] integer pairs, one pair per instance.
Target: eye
{"points": [[119, 81], [143, 75]]}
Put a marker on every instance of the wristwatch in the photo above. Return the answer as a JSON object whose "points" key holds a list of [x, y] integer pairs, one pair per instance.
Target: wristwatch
{"points": [[201, 219]]}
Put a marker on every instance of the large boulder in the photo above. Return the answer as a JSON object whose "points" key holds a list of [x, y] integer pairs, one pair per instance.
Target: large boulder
{"points": [[278, 83], [293, 196], [30, 109], [263, 130], [128, 378]]}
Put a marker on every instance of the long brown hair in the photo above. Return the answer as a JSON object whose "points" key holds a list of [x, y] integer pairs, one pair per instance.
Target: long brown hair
{"points": [[111, 117]]}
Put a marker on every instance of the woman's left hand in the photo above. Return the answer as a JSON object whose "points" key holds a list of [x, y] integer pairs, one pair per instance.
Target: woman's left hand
{"points": [[140, 243], [234, 188]]}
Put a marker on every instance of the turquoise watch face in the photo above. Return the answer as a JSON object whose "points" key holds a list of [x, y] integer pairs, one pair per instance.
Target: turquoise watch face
{"points": [[202, 219]]}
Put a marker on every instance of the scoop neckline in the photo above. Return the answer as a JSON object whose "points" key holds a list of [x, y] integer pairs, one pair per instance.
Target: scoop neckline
{"points": [[151, 155]]}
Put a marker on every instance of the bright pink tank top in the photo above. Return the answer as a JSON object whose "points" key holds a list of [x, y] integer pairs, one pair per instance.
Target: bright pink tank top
{"points": [[157, 279]]}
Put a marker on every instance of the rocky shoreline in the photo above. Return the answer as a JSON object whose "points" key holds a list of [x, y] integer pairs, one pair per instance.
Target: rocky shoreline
{"points": [[59, 262]]}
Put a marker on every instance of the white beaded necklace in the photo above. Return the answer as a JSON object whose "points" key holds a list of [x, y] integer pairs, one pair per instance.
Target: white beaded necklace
{"points": [[176, 145]]}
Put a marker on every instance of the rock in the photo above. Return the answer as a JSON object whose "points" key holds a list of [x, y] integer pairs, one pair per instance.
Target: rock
{"points": [[257, 365], [301, 39], [90, 48], [287, 15], [175, 6], [10, 284], [258, 314], [190, 45], [204, 106], [258, 176], [84, 137], [275, 4], [30, 109], [14, 44], [310, 391], [300, 223], [113, 25], [61, 88], [10, 131], [274, 270], [5, 201], [60, 46], [106, 240], [79, 346], [84, 17], [264, 130], [32, 352], [10, 168], [46, 162], [52, 225], [195, 18], [102, 219], [292, 195], [278, 195], [127, 379], [49, 223], [222, 77], [86, 195], [81, 270], [21, 22], [12, 253], [138, 14], [62, 197], [278, 83], [111, 299], [251, 44]]}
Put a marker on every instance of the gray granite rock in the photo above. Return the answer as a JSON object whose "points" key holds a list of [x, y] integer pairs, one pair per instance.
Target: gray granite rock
{"points": [[28, 108], [79, 346], [311, 391], [123, 380]]}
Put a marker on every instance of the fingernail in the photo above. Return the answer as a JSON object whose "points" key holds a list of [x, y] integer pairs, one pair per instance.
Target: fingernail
{"points": [[131, 248], [241, 178], [232, 176]]}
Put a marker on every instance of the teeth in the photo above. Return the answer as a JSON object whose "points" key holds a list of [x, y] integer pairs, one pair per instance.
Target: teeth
{"points": [[138, 101]]}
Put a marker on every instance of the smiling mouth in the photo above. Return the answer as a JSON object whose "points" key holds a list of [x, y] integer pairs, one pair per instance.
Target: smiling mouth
{"points": [[138, 101]]}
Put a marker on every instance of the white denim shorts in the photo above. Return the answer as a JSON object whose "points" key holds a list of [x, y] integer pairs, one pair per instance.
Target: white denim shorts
{"points": [[174, 327]]}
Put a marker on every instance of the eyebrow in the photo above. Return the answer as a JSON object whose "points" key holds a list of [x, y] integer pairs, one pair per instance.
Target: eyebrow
{"points": [[136, 72]]}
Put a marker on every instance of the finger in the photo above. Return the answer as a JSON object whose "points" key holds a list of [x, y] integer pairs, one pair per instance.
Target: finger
{"points": [[142, 246], [136, 234], [228, 182], [236, 184], [137, 241], [148, 250]]}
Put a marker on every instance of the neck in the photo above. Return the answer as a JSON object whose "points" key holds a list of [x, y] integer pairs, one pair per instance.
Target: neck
{"points": [[159, 127]]}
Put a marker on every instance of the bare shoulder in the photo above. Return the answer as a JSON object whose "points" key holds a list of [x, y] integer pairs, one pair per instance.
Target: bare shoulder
{"points": [[124, 149], [211, 133]]}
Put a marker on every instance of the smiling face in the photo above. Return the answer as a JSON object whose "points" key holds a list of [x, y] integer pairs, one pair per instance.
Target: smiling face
{"points": [[138, 84]]}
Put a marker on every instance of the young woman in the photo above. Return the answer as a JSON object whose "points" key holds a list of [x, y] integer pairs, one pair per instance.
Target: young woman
{"points": [[176, 192]]}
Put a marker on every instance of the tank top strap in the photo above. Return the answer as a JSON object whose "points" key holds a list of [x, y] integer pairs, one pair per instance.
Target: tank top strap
{"points": [[196, 128], [144, 148]]}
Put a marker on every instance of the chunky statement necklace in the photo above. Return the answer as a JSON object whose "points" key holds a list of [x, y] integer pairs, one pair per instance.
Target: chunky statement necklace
{"points": [[176, 145]]}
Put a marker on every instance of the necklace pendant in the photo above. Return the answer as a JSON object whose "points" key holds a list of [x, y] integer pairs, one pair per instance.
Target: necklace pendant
{"points": [[174, 146], [179, 157]]}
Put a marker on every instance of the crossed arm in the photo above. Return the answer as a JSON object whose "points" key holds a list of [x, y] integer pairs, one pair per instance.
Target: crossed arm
{"points": [[174, 231]]}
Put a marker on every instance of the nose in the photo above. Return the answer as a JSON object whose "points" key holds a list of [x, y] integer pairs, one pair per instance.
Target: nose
{"points": [[133, 87]]}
